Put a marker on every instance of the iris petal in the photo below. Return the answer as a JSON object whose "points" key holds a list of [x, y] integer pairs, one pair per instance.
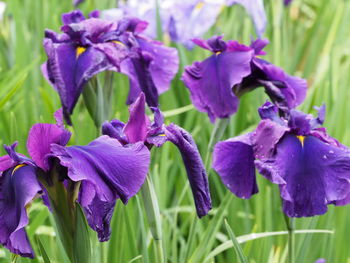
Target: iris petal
{"points": [[311, 175], [138, 125], [194, 166], [211, 81], [109, 170], [233, 160], [164, 65], [17, 189], [255, 9], [40, 138]]}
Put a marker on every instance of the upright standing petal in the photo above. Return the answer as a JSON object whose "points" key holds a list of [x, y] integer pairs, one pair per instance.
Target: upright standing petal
{"points": [[40, 138], [270, 111], [18, 187], [114, 129], [151, 71], [211, 81], [233, 160], [194, 166], [16, 157], [164, 65], [266, 137], [138, 125], [321, 115], [75, 16], [137, 69]]}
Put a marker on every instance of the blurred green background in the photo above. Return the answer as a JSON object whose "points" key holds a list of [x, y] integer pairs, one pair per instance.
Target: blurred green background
{"points": [[310, 39]]}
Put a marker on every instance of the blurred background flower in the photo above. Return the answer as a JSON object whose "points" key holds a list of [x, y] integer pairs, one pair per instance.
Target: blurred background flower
{"points": [[185, 19]]}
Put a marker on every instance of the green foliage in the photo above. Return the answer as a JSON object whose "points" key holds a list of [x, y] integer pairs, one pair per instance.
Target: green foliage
{"points": [[310, 39], [237, 247], [81, 243]]}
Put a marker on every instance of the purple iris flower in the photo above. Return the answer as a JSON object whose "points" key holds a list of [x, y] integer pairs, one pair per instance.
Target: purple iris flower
{"points": [[311, 168], [90, 46], [18, 187], [287, 2], [139, 129], [77, 2], [106, 169], [256, 10], [217, 82], [185, 19], [152, 68]]}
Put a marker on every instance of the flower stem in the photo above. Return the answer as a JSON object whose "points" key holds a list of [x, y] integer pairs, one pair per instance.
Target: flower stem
{"points": [[98, 98], [160, 252], [218, 131], [153, 217], [290, 222]]}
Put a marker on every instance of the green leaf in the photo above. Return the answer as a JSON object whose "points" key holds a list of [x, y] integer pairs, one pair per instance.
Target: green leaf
{"points": [[242, 239], [236, 245], [151, 205], [9, 94], [81, 243], [135, 259], [143, 232], [90, 99], [177, 111], [42, 251], [152, 208], [37, 221], [207, 238]]}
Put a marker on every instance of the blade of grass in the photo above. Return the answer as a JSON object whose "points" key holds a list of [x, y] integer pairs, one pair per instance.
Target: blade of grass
{"points": [[242, 239], [235, 243]]}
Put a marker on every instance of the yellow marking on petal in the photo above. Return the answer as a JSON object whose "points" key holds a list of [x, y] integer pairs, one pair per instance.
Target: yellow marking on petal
{"points": [[79, 51], [118, 42], [28, 205], [222, 8], [163, 135], [17, 167], [301, 139], [166, 39], [199, 6], [218, 52]]}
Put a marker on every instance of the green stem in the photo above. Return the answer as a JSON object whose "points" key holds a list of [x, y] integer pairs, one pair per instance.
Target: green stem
{"points": [[14, 258], [62, 200], [218, 131], [62, 211], [98, 98], [153, 217], [160, 252], [191, 237], [290, 222]]}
